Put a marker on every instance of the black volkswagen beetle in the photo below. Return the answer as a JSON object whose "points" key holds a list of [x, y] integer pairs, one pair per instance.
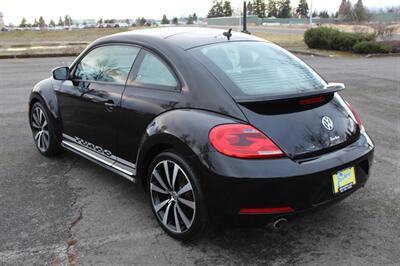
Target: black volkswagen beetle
{"points": [[214, 124]]}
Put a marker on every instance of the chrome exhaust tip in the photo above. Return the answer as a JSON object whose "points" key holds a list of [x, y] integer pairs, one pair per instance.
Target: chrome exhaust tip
{"points": [[279, 223]]}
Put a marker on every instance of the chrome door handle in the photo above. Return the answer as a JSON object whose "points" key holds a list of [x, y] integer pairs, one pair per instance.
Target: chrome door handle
{"points": [[109, 105]]}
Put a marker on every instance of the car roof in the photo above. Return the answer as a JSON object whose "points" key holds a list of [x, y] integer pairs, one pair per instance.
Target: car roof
{"points": [[184, 37]]}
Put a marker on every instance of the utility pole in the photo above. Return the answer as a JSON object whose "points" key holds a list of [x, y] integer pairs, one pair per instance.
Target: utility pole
{"points": [[245, 18], [311, 12]]}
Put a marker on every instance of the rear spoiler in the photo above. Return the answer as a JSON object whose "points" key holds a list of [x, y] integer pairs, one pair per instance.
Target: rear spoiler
{"points": [[330, 88]]}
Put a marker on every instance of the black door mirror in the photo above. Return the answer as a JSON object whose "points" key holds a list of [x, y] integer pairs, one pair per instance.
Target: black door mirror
{"points": [[61, 73]]}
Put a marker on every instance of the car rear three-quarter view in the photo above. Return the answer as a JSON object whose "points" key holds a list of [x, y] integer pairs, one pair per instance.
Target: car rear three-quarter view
{"points": [[214, 124]]}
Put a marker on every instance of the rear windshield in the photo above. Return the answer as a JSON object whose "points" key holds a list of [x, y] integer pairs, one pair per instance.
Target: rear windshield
{"points": [[258, 69]]}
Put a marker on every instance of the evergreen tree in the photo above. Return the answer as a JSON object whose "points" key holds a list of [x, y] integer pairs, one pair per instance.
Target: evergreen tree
{"points": [[227, 9], [212, 13], [345, 10], [323, 14], [220, 9], [302, 9], [272, 9], [284, 9], [314, 14], [360, 13], [175, 21], [60, 22], [52, 23], [194, 17], [259, 8], [42, 23], [23, 23], [249, 8], [189, 20], [263, 9], [67, 20], [216, 10], [164, 20], [142, 21], [35, 23]]}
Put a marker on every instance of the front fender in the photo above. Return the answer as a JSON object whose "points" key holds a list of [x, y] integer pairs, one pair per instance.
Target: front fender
{"points": [[44, 90], [186, 130]]}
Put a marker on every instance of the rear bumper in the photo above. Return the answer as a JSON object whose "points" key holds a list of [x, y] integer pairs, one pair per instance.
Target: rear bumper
{"points": [[231, 184]]}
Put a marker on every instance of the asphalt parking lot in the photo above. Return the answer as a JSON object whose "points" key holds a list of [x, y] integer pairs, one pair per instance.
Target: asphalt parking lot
{"points": [[67, 209]]}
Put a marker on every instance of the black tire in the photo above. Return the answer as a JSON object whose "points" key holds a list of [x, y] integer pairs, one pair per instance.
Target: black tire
{"points": [[50, 138], [200, 222]]}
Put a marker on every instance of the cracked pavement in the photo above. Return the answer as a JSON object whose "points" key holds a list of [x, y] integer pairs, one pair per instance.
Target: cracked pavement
{"points": [[67, 210]]}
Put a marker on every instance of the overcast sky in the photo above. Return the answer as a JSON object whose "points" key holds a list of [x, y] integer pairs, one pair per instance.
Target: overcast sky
{"points": [[14, 10]]}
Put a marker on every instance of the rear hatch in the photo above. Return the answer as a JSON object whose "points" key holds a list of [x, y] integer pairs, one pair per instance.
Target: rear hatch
{"points": [[303, 127], [281, 96]]}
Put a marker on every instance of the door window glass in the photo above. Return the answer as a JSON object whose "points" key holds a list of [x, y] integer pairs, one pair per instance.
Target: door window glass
{"points": [[107, 64]]}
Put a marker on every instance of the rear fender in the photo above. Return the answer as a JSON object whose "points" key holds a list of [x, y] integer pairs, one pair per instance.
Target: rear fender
{"points": [[185, 130]]}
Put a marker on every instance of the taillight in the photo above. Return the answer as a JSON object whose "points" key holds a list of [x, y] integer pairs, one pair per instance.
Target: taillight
{"points": [[312, 100], [243, 141], [355, 115]]}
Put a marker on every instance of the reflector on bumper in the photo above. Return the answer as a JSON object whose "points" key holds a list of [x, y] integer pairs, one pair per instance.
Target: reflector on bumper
{"points": [[266, 210]]}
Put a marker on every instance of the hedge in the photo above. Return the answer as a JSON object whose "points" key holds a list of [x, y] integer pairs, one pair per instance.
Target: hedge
{"points": [[333, 39], [369, 47]]}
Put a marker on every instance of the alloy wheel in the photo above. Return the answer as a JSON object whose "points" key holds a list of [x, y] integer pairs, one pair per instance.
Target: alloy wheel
{"points": [[172, 196], [40, 129]]}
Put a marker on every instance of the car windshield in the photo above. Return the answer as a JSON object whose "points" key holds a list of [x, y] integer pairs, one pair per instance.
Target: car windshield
{"points": [[258, 69]]}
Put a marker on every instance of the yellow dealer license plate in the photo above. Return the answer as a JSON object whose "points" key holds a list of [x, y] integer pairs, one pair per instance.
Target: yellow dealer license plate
{"points": [[344, 180]]}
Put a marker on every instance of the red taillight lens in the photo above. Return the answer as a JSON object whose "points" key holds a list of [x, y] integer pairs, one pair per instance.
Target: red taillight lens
{"points": [[355, 115], [243, 141]]}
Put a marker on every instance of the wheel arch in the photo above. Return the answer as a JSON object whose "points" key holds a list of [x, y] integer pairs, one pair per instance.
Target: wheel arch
{"points": [[44, 92], [183, 130], [46, 96], [155, 145]]}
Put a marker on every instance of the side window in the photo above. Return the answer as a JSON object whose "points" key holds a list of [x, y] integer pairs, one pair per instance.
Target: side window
{"points": [[153, 71], [107, 63]]}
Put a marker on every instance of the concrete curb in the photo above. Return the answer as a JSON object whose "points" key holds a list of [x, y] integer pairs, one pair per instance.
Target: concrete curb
{"points": [[37, 55], [308, 53], [383, 55]]}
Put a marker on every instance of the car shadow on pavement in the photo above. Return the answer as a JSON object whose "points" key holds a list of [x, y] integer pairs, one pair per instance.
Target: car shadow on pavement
{"points": [[124, 207]]}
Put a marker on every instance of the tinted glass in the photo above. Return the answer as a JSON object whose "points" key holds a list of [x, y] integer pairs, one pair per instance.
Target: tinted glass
{"points": [[153, 71], [107, 64], [260, 69]]}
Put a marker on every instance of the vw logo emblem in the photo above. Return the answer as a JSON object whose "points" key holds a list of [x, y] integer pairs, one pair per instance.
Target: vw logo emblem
{"points": [[327, 122]]}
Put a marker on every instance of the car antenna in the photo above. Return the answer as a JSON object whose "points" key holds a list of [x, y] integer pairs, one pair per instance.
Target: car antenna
{"points": [[228, 34]]}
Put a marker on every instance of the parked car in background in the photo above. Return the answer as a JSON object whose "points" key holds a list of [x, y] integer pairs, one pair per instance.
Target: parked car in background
{"points": [[123, 25]]}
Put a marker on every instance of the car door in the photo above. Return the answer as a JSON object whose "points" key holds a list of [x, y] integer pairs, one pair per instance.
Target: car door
{"points": [[90, 102], [152, 88]]}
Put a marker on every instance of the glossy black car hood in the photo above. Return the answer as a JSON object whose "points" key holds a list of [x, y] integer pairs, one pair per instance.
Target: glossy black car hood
{"points": [[299, 131]]}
